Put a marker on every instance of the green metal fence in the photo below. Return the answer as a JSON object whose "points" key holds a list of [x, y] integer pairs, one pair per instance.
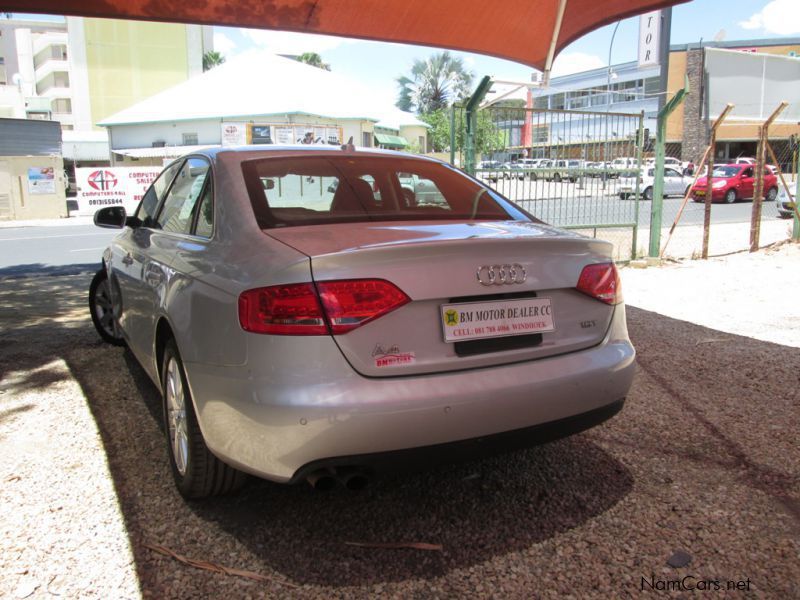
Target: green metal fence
{"points": [[579, 170]]}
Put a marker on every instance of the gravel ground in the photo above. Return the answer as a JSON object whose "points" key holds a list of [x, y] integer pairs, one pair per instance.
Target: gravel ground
{"points": [[703, 459]]}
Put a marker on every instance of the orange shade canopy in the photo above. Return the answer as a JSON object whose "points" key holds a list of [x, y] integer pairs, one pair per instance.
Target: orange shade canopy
{"points": [[526, 31]]}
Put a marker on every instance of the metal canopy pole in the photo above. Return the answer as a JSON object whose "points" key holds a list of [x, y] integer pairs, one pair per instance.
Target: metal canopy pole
{"points": [[551, 53]]}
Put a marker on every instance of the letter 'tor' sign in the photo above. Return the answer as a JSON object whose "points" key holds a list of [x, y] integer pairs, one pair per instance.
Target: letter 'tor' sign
{"points": [[649, 33]]}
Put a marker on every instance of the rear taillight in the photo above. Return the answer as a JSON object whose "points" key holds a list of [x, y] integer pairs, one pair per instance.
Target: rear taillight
{"points": [[601, 281], [297, 309], [292, 309]]}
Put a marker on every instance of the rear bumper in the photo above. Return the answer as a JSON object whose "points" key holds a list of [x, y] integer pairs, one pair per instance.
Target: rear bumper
{"points": [[716, 194], [472, 449], [278, 427]]}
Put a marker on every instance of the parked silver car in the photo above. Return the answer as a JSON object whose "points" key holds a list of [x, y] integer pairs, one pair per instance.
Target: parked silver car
{"points": [[301, 330], [675, 184]]}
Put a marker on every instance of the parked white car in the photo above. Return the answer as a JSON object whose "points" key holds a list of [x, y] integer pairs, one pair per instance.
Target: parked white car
{"points": [[669, 161], [675, 184]]}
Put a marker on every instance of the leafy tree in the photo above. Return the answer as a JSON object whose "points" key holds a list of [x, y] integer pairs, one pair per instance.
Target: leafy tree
{"points": [[212, 59], [434, 84], [313, 59], [488, 138]]}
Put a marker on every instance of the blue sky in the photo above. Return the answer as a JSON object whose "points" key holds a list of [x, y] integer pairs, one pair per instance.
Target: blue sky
{"points": [[379, 64]]}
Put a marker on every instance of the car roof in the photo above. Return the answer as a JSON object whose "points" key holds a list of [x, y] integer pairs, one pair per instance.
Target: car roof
{"points": [[273, 150]]}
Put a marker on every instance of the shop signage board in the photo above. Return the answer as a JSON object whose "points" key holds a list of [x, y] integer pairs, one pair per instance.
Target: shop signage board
{"points": [[41, 180], [99, 187]]}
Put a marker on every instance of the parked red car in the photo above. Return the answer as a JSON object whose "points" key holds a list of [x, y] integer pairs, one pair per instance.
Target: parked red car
{"points": [[730, 183]]}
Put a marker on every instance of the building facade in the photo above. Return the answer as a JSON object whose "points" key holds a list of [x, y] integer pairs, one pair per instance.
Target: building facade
{"points": [[233, 105], [630, 89], [79, 71]]}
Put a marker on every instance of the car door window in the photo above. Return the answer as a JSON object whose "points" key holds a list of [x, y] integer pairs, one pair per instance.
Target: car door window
{"points": [[205, 212], [176, 213], [149, 205], [748, 172], [671, 173]]}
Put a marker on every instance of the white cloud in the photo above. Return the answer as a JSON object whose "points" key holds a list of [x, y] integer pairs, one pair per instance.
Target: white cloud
{"points": [[575, 62], [223, 44], [781, 17], [284, 42]]}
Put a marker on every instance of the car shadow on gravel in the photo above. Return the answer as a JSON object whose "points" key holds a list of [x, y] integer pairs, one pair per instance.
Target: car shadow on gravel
{"points": [[475, 510]]}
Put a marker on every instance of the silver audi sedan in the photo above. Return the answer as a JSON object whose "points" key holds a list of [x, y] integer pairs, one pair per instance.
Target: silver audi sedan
{"points": [[323, 313]]}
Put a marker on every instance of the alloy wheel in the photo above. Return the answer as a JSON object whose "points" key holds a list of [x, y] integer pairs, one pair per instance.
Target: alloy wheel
{"points": [[176, 416]]}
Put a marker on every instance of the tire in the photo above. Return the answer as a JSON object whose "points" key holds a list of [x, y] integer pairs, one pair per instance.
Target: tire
{"points": [[103, 311], [623, 196], [771, 194], [686, 191], [197, 472], [557, 177], [730, 196], [648, 193], [534, 177]]}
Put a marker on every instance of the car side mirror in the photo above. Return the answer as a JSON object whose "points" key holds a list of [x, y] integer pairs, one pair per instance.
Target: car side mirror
{"points": [[115, 217]]}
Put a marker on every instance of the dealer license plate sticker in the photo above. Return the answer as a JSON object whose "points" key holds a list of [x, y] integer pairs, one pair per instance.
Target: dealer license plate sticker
{"points": [[478, 320], [699, 192]]}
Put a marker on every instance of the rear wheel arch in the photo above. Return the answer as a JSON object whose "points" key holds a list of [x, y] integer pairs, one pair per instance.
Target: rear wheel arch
{"points": [[164, 333]]}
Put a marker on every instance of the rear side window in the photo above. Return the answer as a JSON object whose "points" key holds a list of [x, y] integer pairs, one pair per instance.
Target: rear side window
{"points": [[318, 189], [150, 201], [187, 189]]}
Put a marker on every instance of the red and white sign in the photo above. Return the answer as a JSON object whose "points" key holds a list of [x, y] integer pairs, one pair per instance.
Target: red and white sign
{"points": [[99, 187]]}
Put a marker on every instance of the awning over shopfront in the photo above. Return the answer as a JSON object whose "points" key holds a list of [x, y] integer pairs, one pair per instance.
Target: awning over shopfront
{"points": [[527, 31], [391, 141], [159, 152]]}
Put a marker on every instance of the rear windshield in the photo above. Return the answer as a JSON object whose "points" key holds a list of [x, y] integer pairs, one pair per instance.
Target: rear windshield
{"points": [[322, 189]]}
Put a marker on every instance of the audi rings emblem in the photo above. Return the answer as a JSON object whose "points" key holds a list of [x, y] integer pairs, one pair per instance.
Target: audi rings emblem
{"points": [[501, 274]]}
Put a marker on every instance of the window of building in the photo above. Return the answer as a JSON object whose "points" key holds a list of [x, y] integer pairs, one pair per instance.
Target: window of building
{"points": [[62, 106], [421, 143], [651, 85], [190, 139], [61, 80], [557, 101], [366, 139]]}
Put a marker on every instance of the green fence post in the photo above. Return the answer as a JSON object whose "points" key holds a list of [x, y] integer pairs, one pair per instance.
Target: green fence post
{"points": [[471, 111], [638, 191], [796, 225], [453, 134], [657, 204]]}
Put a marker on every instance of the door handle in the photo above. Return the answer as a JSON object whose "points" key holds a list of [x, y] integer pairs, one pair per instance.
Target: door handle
{"points": [[127, 260]]}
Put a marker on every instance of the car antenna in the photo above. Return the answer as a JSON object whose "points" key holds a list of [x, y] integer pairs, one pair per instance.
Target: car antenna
{"points": [[349, 147]]}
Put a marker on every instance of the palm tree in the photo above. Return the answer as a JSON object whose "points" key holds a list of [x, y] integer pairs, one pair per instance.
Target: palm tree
{"points": [[212, 59], [313, 59], [434, 84]]}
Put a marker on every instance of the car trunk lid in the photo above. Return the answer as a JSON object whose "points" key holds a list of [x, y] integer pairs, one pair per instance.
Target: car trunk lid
{"points": [[439, 266]]}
